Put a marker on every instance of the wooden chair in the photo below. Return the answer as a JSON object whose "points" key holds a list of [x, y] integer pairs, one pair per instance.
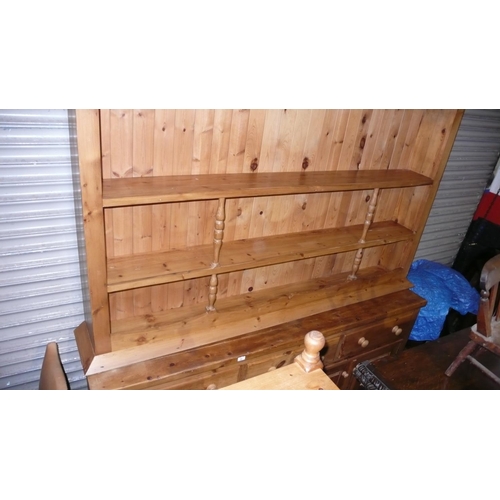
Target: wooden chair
{"points": [[486, 332], [52, 376]]}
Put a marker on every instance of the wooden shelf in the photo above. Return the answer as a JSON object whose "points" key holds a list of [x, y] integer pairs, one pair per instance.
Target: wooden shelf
{"points": [[126, 273], [125, 158], [176, 330], [131, 191]]}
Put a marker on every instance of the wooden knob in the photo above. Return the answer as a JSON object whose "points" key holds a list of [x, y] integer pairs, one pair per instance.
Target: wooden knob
{"points": [[309, 359], [212, 387], [363, 342], [345, 374], [397, 331]]}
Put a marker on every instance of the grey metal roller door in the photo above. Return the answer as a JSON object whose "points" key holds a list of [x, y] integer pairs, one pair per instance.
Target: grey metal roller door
{"points": [[40, 289], [468, 171]]}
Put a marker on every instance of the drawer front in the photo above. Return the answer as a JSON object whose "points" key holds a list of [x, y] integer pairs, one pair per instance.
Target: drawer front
{"points": [[366, 339], [350, 381], [212, 379], [264, 364], [329, 353], [338, 373]]}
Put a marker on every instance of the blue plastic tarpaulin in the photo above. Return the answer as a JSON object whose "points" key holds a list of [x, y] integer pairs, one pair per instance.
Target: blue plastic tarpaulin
{"points": [[443, 288]]}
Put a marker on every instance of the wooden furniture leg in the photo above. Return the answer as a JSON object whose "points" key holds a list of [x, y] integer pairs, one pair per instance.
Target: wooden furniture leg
{"points": [[462, 355]]}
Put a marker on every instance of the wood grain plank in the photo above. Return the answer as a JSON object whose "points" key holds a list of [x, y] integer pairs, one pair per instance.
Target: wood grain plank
{"points": [[186, 328], [371, 138], [270, 138], [237, 142], [89, 157], [326, 139], [386, 139], [220, 141], [298, 143], [121, 159], [282, 341], [312, 142], [142, 223], [339, 135], [178, 188], [264, 206], [84, 342], [194, 262], [107, 174], [290, 377], [163, 140], [163, 159], [284, 143]]}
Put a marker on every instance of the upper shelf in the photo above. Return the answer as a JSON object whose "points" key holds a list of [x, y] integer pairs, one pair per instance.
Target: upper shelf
{"points": [[176, 188]]}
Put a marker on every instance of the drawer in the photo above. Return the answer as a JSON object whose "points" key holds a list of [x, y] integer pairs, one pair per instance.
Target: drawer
{"points": [[268, 362], [349, 380], [212, 379], [338, 373], [329, 353], [264, 364], [366, 339]]}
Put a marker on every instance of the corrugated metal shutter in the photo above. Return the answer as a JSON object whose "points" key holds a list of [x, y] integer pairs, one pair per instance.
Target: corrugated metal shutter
{"points": [[40, 288], [468, 172]]}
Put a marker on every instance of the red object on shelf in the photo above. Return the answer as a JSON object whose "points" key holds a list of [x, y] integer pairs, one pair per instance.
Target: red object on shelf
{"points": [[489, 208]]}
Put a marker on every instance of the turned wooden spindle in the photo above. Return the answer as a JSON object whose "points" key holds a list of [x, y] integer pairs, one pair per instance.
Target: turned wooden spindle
{"points": [[369, 215], [356, 264], [309, 359], [368, 222], [212, 293], [220, 217]]}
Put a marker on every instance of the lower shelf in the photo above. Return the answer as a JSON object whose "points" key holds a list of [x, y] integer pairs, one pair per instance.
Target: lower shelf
{"points": [[184, 328], [143, 338], [244, 356]]}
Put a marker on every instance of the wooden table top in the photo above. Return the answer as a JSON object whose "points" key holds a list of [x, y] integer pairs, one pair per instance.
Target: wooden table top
{"points": [[290, 377]]}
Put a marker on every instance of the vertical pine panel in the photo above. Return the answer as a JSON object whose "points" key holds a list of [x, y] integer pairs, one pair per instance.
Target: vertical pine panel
{"points": [[89, 158], [237, 210], [263, 206], [386, 139], [143, 159], [339, 135], [389, 199], [106, 174], [324, 161], [219, 151], [282, 154], [270, 138], [326, 139], [121, 162], [163, 154], [369, 141], [252, 207], [202, 140]]}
